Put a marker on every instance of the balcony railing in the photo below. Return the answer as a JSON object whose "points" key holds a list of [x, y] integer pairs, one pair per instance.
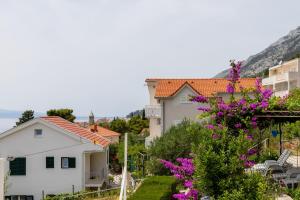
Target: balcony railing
{"points": [[284, 77], [268, 81], [153, 111]]}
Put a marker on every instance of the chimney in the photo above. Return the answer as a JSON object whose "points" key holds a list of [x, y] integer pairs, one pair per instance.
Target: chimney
{"points": [[95, 128]]}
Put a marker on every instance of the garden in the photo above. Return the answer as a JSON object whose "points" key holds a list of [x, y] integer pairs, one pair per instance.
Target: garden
{"points": [[225, 158]]}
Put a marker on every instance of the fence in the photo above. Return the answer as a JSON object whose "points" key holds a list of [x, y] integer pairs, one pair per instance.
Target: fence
{"points": [[109, 193]]}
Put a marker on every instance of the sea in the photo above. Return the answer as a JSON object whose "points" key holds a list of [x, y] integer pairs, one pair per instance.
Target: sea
{"points": [[7, 123]]}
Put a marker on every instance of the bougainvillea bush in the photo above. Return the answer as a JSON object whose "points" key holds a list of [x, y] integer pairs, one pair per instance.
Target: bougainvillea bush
{"points": [[220, 160]]}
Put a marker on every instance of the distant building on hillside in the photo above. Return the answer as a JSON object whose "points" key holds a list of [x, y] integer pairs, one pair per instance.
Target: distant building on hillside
{"points": [[170, 104], [93, 126], [283, 77]]}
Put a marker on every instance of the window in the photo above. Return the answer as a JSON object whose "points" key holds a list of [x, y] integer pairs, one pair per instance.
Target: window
{"points": [[38, 132], [67, 162], [49, 162], [17, 167]]}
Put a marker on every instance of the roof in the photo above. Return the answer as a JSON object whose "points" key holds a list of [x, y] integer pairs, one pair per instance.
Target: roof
{"points": [[206, 87], [77, 130], [104, 131]]}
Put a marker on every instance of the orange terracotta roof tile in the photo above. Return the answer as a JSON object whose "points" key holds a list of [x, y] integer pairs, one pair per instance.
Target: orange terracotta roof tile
{"points": [[103, 131], [206, 87], [77, 130]]}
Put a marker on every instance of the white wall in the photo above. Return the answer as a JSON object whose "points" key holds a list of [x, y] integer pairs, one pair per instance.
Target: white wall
{"points": [[2, 176], [38, 178], [98, 163], [175, 111]]}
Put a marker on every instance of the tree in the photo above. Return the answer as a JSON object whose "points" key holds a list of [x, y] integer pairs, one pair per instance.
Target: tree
{"points": [[118, 125], [26, 116], [176, 143], [136, 124], [63, 113]]}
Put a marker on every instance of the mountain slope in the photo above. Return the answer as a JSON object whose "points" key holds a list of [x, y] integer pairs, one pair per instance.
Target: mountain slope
{"points": [[283, 49]]}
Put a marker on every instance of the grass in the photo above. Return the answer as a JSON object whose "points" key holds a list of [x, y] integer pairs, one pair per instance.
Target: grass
{"points": [[156, 188]]}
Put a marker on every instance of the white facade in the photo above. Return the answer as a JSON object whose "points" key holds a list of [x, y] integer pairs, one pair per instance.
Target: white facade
{"points": [[166, 111], [91, 160], [163, 113], [283, 78]]}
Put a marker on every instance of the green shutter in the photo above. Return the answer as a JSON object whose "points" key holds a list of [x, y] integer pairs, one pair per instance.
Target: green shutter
{"points": [[49, 162], [17, 167], [72, 162]]}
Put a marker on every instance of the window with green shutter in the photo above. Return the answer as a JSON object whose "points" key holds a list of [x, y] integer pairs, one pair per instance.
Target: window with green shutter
{"points": [[49, 162], [17, 167], [68, 162], [72, 163]]}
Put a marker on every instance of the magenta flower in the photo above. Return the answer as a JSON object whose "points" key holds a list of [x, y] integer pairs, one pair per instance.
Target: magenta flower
{"points": [[249, 137], [249, 163], [220, 114], [238, 125], [230, 88], [264, 104], [243, 157], [204, 109], [267, 93], [242, 102], [254, 124], [210, 126], [253, 106], [258, 85], [220, 126], [200, 99], [215, 136], [223, 106], [251, 152], [188, 184]]}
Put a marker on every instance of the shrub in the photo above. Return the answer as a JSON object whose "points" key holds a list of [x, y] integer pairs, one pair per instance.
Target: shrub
{"points": [[156, 188], [176, 142], [251, 186], [268, 155]]}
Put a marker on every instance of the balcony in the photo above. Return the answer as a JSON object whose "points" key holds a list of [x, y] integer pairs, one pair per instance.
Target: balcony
{"points": [[279, 78], [96, 169], [268, 81], [153, 111], [281, 93]]}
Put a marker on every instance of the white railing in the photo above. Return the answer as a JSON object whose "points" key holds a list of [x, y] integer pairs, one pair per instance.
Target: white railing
{"points": [[281, 93], [268, 81], [284, 77], [153, 111]]}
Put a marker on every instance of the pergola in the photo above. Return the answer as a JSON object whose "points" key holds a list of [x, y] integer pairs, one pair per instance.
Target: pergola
{"points": [[268, 118]]}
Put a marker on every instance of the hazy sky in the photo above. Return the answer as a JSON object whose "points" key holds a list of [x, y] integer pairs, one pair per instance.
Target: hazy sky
{"points": [[95, 54]]}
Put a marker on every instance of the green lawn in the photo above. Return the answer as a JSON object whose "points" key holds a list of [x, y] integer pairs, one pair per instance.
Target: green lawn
{"points": [[156, 188]]}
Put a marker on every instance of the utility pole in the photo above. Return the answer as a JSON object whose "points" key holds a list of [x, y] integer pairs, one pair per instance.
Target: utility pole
{"points": [[123, 193]]}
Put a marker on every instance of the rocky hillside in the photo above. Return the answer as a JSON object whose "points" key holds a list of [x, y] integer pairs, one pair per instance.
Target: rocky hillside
{"points": [[285, 48]]}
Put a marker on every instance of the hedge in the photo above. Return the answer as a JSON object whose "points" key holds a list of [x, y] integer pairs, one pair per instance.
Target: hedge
{"points": [[156, 188]]}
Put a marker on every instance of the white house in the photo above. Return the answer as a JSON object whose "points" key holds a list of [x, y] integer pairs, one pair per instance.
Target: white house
{"points": [[283, 77], [169, 100], [50, 155]]}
